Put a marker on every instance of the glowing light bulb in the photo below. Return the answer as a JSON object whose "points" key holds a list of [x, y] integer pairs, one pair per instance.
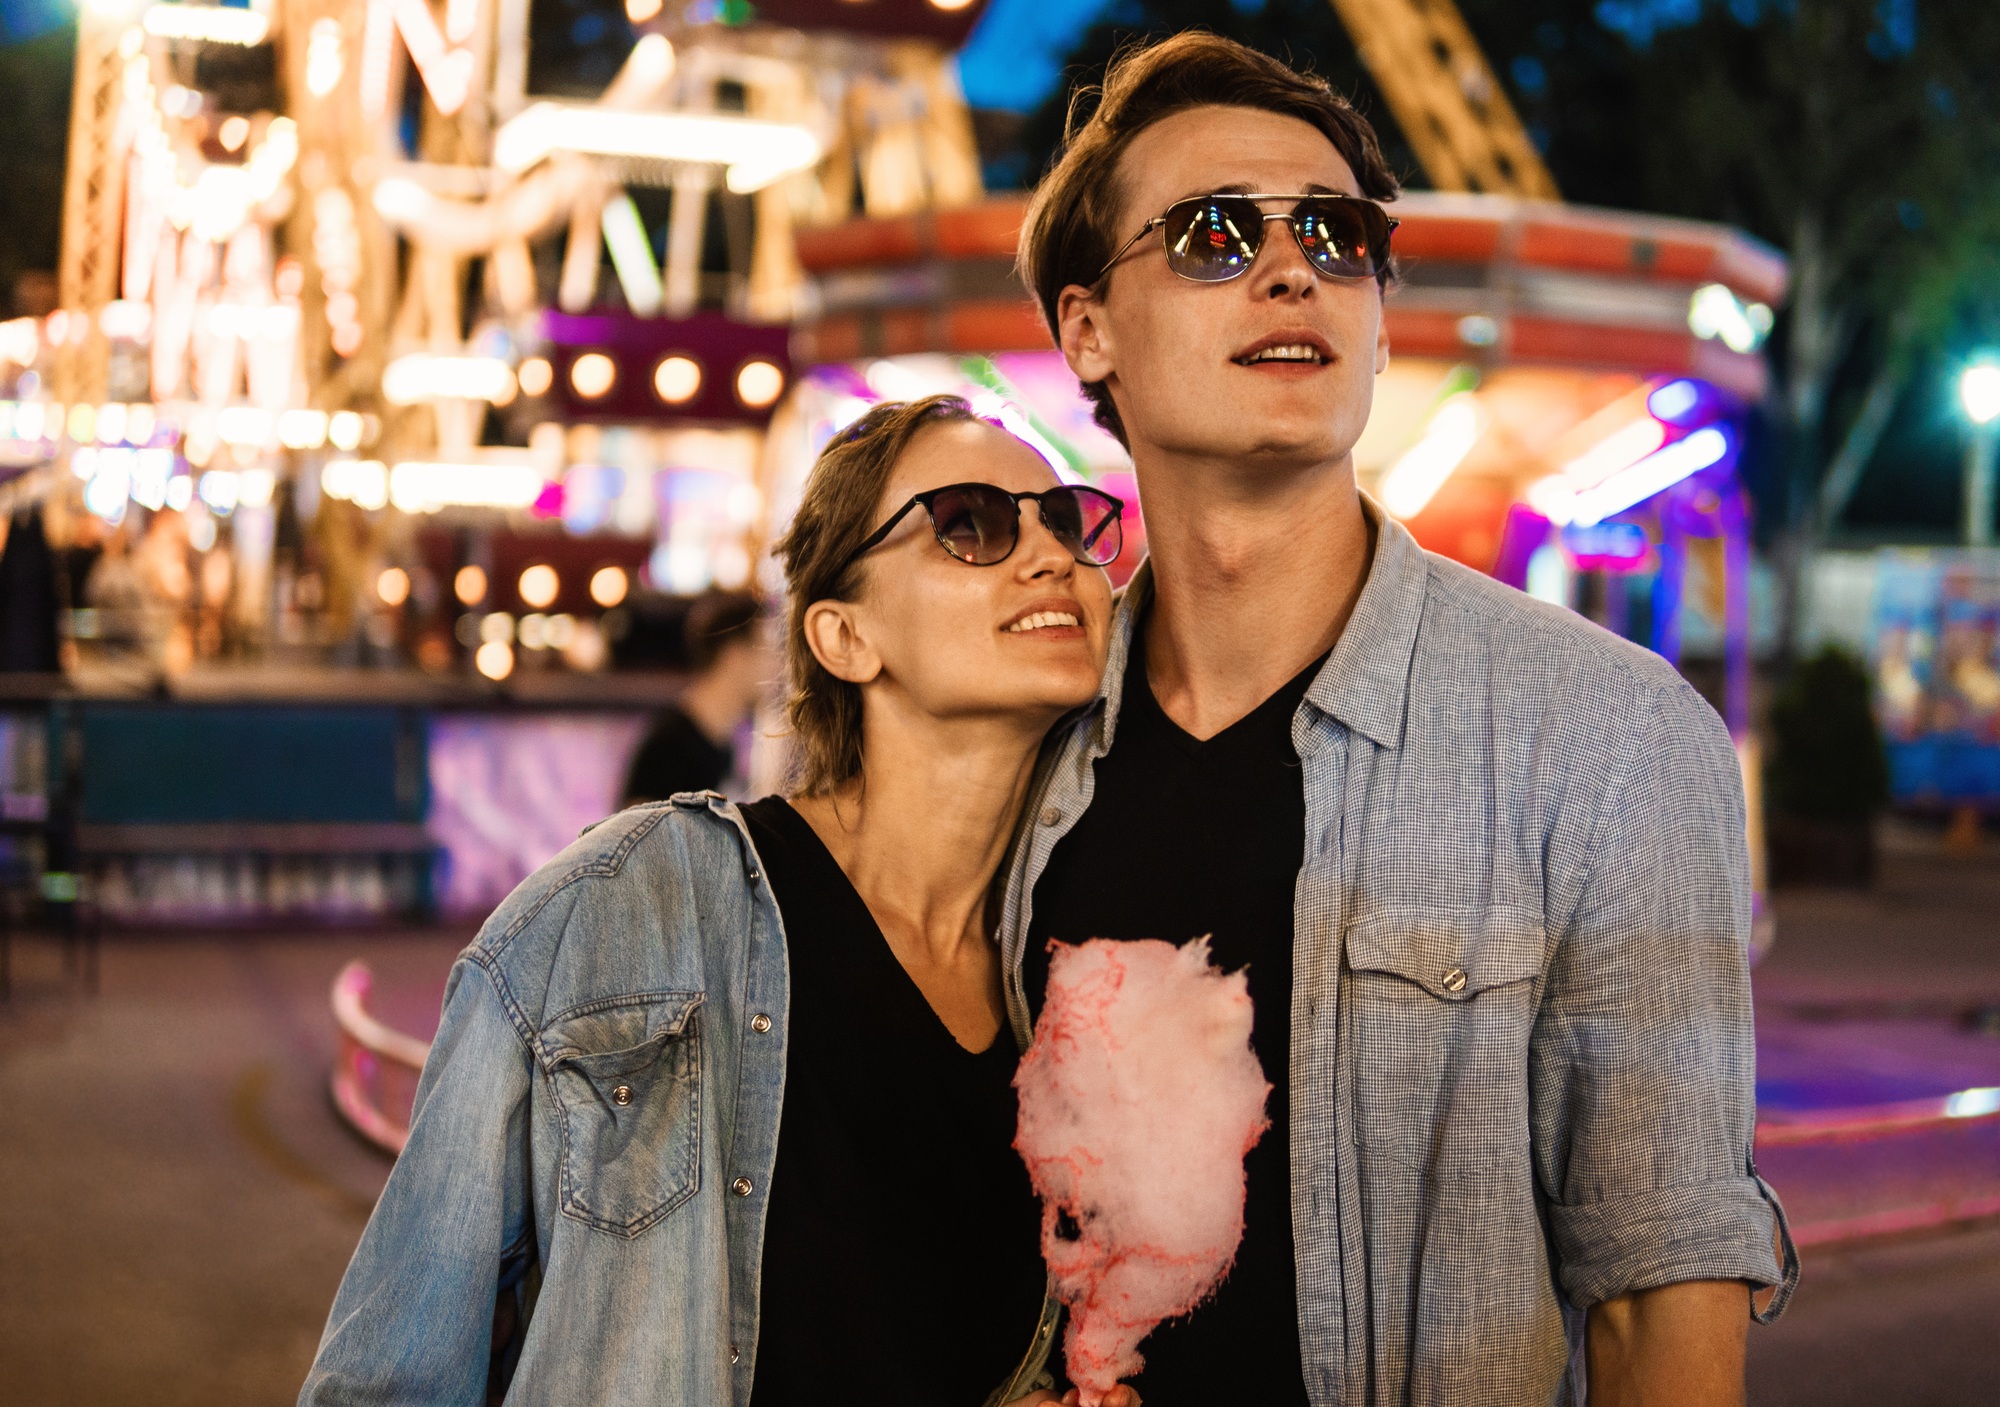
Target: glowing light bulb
{"points": [[676, 379], [539, 585], [608, 586], [469, 586], [758, 383]]}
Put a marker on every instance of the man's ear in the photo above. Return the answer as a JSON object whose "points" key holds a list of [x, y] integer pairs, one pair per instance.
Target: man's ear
{"points": [[833, 632], [1382, 343], [1086, 342]]}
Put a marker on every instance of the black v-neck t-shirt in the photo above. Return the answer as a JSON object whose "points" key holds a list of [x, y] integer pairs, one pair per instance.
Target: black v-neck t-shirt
{"points": [[902, 1247], [1185, 837]]}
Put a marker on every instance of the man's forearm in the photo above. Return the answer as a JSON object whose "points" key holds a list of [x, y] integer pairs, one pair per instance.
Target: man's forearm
{"points": [[1675, 1346]]}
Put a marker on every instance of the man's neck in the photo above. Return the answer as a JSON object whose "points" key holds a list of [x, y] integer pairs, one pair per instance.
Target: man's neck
{"points": [[1252, 581]]}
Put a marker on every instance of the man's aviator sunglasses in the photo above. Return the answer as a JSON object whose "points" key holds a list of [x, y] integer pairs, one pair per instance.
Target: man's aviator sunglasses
{"points": [[980, 524], [1214, 238]]}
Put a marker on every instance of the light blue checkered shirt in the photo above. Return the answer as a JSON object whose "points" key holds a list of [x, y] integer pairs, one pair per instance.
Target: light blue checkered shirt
{"points": [[1522, 1066]]}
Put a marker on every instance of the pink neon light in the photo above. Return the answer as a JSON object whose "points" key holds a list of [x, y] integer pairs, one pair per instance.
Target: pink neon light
{"points": [[1965, 1108]]}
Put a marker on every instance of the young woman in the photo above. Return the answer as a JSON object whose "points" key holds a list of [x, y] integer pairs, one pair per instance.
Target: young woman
{"points": [[720, 1105]]}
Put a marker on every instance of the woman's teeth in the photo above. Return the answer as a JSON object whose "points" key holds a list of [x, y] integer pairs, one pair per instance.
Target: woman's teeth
{"points": [[1040, 619], [1292, 352]]}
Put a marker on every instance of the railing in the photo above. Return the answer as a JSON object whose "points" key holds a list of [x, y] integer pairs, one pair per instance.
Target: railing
{"points": [[375, 1079], [1967, 1108], [375, 1072]]}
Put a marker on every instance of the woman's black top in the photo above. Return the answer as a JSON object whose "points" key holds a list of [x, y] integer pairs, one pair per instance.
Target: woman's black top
{"points": [[902, 1252]]}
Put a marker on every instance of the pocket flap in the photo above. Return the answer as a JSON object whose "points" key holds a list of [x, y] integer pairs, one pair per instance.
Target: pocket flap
{"points": [[600, 1032], [1453, 957]]}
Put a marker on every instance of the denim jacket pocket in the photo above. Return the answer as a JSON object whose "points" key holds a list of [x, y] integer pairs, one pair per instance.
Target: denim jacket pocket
{"points": [[627, 1076], [1441, 1008]]}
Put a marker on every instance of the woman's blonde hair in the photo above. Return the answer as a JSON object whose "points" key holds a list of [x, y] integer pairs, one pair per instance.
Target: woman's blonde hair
{"points": [[837, 512]]}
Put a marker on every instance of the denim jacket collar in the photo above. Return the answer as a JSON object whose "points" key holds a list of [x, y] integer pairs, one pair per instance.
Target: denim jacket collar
{"points": [[1364, 685]]}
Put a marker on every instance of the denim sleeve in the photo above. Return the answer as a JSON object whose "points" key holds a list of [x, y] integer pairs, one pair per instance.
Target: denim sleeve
{"points": [[413, 1321], [1642, 1062]]}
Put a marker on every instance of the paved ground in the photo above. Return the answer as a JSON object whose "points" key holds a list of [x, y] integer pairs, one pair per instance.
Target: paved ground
{"points": [[177, 1199]]}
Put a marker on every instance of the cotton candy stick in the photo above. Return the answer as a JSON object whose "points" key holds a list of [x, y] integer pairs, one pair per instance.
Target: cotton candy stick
{"points": [[1139, 1097]]}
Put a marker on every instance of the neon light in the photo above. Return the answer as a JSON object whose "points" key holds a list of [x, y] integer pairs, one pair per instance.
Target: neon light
{"points": [[302, 429], [417, 487], [1650, 475], [427, 376], [325, 58], [378, 53], [632, 255], [756, 152], [1674, 400], [1716, 312], [461, 17], [1618, 451], [1414, 479], [214, 24], [1973, 1103], [447, 72], [362, 482]]}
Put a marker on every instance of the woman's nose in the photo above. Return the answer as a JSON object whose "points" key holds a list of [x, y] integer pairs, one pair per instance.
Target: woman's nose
{"points": [[1040, 551]]}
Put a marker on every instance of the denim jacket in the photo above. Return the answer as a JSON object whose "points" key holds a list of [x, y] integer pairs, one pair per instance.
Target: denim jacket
{"points": [[593, 1137]]}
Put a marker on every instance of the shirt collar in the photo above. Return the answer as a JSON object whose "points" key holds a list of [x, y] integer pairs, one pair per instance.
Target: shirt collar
{"points": [[1364, 683]]}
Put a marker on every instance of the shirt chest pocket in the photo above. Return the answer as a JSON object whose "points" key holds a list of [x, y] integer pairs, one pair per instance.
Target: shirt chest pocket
{"points": [[1440, 1007], [627, 1079]]}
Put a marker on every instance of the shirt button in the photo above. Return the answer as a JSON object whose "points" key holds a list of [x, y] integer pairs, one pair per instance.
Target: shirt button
{"points": [[1051, 816], [760, 1023], [622, 1095], [735, 1353], [741, 1187], [1454, 980]]}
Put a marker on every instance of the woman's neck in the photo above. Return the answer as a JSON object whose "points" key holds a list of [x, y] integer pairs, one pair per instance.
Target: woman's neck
{"points": [[921, 838]]}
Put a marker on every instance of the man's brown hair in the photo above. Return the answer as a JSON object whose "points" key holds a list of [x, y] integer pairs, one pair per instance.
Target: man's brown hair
{"points": [[1070, 230], [836, 514]]}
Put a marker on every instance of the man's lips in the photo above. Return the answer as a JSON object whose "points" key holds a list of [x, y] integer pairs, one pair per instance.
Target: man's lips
{"points": [[1287, 346]]}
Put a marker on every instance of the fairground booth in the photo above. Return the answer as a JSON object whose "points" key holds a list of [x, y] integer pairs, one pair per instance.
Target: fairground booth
{"points": [[415, 365], [1563, 408]]}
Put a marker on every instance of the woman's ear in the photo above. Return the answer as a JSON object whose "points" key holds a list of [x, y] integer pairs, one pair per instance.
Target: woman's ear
{"points": [[833, 631], [1086, 344]]}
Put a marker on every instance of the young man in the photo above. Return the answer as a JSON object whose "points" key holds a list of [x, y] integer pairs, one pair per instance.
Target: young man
{"points": [[1484, 862]]}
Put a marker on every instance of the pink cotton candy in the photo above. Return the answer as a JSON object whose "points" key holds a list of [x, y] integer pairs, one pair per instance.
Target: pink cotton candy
{"points": [[1139, 1097]]}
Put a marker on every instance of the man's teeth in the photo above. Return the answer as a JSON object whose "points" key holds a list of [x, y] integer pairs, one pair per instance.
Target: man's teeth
{"points": [[1040, 619], [1291, 352]]}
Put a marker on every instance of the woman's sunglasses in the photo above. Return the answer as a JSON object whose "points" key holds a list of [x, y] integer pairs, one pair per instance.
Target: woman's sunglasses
{"points": [[981, 523], [1214, 238]]}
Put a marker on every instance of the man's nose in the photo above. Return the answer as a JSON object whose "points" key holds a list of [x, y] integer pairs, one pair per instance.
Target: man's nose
{"points": [[1281, 269]]}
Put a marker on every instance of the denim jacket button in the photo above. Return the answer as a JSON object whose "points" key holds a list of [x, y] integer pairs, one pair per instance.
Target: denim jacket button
{"points": [[741, 1187], [760, 1023], [622, 1095]]}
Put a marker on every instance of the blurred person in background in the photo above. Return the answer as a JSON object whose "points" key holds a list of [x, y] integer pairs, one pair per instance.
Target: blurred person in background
{"points": [[28, 597], [691, 745]]}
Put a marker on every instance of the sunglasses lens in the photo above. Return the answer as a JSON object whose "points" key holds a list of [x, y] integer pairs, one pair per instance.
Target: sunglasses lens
{"points": [[1343, 238], [1086, 522], [976, 524], [1212, 238]]}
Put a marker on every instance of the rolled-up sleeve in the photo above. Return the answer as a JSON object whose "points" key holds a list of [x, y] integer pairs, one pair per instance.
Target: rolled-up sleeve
{"points": [[1643, 1059]]}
